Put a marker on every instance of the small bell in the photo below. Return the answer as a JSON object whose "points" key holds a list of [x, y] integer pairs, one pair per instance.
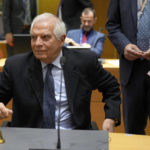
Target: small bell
{"points": [[1, 138]]}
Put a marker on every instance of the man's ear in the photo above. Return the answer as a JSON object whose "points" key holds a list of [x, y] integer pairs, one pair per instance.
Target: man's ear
{"points": [[95, 19], [62, 39]]}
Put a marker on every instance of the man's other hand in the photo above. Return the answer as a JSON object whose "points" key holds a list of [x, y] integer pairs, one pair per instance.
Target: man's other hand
{"points": [[109, 125], [4, 112]]}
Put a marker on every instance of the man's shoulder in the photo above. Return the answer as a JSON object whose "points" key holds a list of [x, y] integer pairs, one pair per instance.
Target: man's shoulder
{"points": [[98, 34], [74, 31], [19, 59], [79, 54]]}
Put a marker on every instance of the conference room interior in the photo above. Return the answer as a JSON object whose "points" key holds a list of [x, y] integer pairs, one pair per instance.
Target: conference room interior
{"points": [[109, 54]]}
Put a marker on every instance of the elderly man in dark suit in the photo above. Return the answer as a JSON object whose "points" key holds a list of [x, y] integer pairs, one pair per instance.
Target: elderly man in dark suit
{"points": [[26, 78], [70, 12], [126, 31], [17, 18]]}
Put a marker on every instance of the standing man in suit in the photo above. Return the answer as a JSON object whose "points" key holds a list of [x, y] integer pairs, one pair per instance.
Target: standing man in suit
{"points": [[87, 36], [70, 11], [24, 78], [17, 18], [124, 24]]}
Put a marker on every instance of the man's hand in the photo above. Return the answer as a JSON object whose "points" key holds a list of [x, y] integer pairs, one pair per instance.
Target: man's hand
{"points": [[109, 125], [9, 38], [4, 112], [146, 54], [70, 41], [132, 52]]}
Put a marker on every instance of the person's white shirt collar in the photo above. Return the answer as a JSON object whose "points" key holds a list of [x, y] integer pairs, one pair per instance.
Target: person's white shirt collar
{"points": [[56, 62]]}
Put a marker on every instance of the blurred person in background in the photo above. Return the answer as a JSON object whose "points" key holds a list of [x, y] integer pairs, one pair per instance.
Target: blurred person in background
{"points": [[86, 36], [70, 11], [17, 18]]}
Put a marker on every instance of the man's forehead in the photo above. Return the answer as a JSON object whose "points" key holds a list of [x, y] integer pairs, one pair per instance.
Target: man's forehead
{"points": [[41, 32], [43, 26], [87, 17]]}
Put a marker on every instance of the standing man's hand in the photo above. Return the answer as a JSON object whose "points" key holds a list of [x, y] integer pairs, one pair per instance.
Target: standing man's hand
{"points": [[109, 125], [4, 112], [9, 38], [146, 54], [132, 52]]}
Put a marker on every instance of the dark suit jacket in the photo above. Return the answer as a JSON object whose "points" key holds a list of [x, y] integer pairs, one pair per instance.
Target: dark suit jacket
{"points": [[13, 15], [71, 12], [122, 27], [22, 79]]}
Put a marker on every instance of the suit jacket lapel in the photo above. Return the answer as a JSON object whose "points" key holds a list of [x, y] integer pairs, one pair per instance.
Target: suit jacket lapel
{"points": [[71, 75], [36, 80], [134, 11]]}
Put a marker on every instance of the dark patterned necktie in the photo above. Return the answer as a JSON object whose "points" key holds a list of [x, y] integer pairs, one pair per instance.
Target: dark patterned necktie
{"points": [[143, 34], [49, 100]]}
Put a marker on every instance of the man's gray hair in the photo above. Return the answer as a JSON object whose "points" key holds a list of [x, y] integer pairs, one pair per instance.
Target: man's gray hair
{"points": [[59, 29]]}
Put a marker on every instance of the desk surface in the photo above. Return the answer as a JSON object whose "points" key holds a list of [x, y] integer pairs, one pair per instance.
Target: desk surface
{"points": [[25, 138], [3, 42], [122, 141], [111, 63]]}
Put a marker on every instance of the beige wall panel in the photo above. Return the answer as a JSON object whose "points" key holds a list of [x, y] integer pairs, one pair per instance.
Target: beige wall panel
{"points": [[48, 6]]}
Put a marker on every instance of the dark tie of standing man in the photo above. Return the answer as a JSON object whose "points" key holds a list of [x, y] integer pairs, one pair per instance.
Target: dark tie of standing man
{"points": [[27, 19], [143, 34]]}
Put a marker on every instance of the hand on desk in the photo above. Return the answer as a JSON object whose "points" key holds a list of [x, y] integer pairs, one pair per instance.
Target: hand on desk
{"points": [[4, 112], [70, 41], [109, 125]]}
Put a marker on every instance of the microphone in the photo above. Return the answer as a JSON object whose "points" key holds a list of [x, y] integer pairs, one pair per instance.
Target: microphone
{"points": [[62, 62], [58, 146]]}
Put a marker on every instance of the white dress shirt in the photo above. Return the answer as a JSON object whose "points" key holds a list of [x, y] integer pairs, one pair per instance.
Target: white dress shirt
{"points": [[65, 113]]}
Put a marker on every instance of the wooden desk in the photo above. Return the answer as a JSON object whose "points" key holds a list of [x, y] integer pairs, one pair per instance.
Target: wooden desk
{"points": [[120, 141], [2, 62], [3, 50], [25, 138]]}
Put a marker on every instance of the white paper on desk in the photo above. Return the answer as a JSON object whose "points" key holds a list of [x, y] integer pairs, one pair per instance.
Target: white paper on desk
{"points": [[114, 62], [79, 47]]}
